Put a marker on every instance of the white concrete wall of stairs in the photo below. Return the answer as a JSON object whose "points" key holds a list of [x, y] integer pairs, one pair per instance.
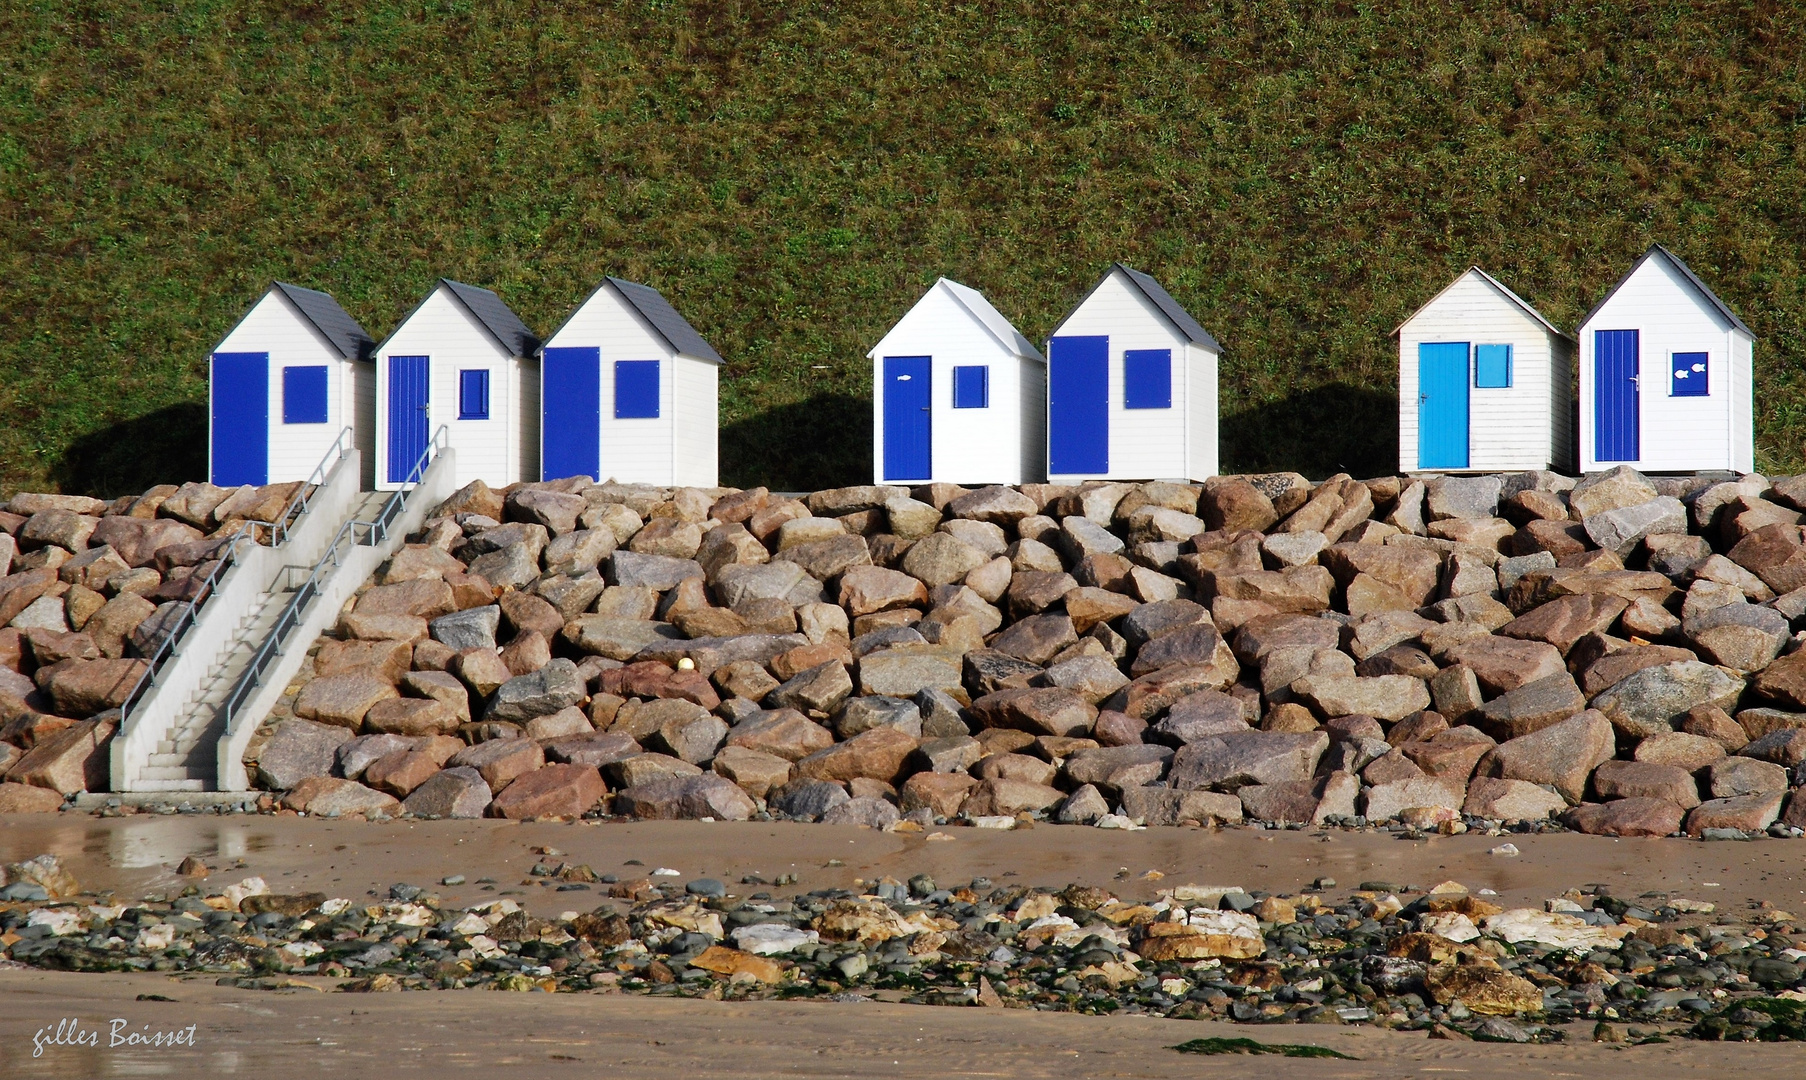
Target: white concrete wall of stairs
{"points": [[359, 563], [156, 750]]}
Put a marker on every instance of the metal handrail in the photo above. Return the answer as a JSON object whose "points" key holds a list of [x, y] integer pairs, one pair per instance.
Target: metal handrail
{"points": [[295, 611], [279, 529]]}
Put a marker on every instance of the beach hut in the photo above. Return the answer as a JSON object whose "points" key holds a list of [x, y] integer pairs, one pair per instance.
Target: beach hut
{"points": [[1132, 386], [956, 395], [631, 393], [282, 387], [1484, 383], [462, 361], [1666, 380]]}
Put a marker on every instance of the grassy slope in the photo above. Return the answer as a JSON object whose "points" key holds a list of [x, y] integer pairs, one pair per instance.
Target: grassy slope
{"points": [[794, 180]]}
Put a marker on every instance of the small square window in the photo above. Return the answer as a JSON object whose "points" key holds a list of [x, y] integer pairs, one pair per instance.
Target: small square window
{"points": [[1690, 375], [636, 389], [473, 395], [972, 387], [1492, 366], [304, 395], [1147, 379]]}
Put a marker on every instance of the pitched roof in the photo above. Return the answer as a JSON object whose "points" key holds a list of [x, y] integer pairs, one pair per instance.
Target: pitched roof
{"points": [[1710, 297], [331, 320], [666, 322], [1523, 305], [989, 317], [495, 316], [1156, 294]]}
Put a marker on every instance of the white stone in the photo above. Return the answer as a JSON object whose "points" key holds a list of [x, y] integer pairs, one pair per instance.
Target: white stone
{"points": [[770, 939], [1554, 929]]}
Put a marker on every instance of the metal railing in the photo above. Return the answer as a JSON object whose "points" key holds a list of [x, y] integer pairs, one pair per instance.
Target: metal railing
{"points": [[230, 547], [295, 611]]}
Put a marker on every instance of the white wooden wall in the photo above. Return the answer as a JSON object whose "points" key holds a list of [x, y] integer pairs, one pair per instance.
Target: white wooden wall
{"points": [[1517, 427], [525, 374], [1676, 434], [695, 455], [1149, 444], [967, 446], [636, 451], [441, 329], [1032, 397], [274, 326]]}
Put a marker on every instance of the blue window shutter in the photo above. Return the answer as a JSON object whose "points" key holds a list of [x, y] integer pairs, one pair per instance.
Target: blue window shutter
{"points": [[304, 395], [473, 394], [1492, 365], [1147, 379], [972, 387], [636, 389], [1690, 375]]}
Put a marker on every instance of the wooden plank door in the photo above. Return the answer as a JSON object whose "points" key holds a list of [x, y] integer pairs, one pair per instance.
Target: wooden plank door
{"points": [[1617, 419], [408, 398], [1078, 406], [1442, 405], [570, 413], [908, 418]]}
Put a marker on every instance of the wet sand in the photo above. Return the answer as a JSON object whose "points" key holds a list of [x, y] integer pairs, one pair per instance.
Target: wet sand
{"points": [[306, 1033]]}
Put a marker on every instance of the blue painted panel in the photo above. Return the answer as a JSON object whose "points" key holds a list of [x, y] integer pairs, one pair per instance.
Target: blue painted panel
{"points": [[1147, 379], [473, 394], [570, 415], [972, 387], [1617, 422], [240, 392], [636, 389], [1442, 405], [408, 397], [1690, 375], [1078, 405], [304, 395], [1492, 366], [908, 418]]}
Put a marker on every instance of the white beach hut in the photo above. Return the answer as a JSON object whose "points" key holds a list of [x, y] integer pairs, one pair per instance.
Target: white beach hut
{"points": [[1132, 386], [631, 393], [956, 395], [1666, 376], [463, 361], [1485, 383], [288, 380]]}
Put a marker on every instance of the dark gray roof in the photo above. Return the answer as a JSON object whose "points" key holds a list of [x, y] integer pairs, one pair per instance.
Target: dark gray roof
{"points": [[330, 319], [674, 328], [1180, 318], [495, 316], [1685, 271]]}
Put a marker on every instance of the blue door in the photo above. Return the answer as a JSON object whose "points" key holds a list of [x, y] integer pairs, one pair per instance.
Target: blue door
{"points": [[1442, 405], [907, 418], [240, 384], [1617, 431], [407, 417], [1078, 406], [570, 425]]}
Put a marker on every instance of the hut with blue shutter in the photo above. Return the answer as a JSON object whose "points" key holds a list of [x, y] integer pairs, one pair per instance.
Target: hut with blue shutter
{"points": [[631, 393], [1131, 386], [283, 385], [462, 361], [957, 395], [1484, 383], [1666, 375]]}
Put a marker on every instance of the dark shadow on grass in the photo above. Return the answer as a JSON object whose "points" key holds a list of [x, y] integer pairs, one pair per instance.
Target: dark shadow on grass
{"points": [[1318, 432], [823, 442], [168, 446]]}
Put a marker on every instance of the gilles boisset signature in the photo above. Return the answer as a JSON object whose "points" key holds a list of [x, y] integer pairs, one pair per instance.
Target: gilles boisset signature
{"points": [[69, 1032]]}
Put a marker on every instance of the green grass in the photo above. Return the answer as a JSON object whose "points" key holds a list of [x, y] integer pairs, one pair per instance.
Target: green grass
{"points": [[1249, 1046], [794, 175]]}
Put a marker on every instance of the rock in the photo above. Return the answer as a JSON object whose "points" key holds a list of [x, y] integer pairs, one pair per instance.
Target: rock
{"points": [[1049, 711], [1530, 707], [1455, 691], [869, 812], [1784, 681], [817, 690], [500, 761], [1168, 806], [941, 559], [1388, 697], [868, 589], [1642, 780], [70, 760], [596, 749], [1511, 800], [1036, 639], [1742, 637], [355, 755], [1620, 530], [879, 754], [18, 798], [1627, 817], [1653, 700], [136, 541], [567, 791], [1552, 929], [555, 686], [1679, 749], [1750, 813], [906, 673], [1083, 807], [1561, 755], [1503, 664], [1228, 762], [1389, 800], [1614, 667], [787, 734], [297, 750], [426, 598], [660, 572], [755, 771], [1784, 747], [707, 795], [410, 716], [639, 770], [1147, 695], [1613, 489], [81, 688], [1235, 505], [457, 792], [1565, 620], [330, 796], [617, 638], [1756, 723], [1093, 678], [1305, 801], [1730, 777]]}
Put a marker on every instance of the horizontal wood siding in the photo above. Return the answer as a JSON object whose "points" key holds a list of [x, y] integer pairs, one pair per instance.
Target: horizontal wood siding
{"points": [[453, 341], [1681, 434], [274, 326], [1511, 427], [633, 451], [968, 446], [525, 417], [1206, 405], [1031, 395], [696, 437], [1742, 403]]}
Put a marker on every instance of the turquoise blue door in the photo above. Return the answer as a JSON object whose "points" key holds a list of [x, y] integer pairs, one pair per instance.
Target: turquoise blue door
{"points": [[240, 389], [1442, 405], [907, 418], [407, 417]]}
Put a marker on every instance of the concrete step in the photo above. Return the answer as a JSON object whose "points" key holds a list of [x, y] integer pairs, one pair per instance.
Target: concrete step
{"points": [[148, 783]]}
